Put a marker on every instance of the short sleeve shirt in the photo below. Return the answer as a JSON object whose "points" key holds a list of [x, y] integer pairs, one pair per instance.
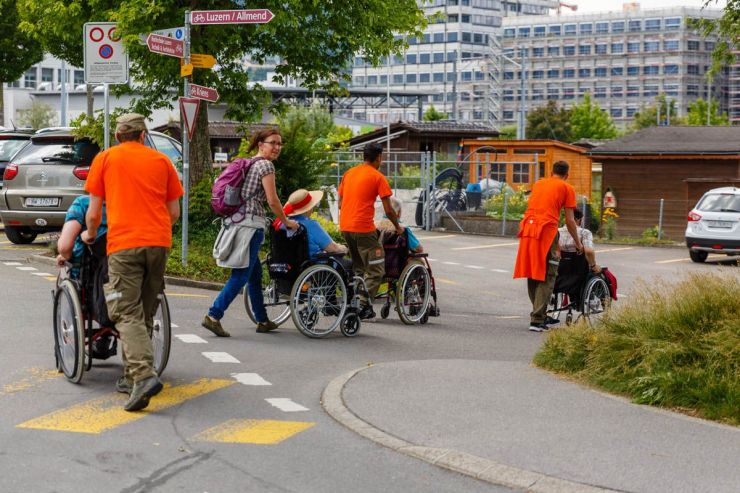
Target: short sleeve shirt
{"points": [[77, 212], [253, 192], [568, 244], [359, 189], [548, 197], [318, 239]]}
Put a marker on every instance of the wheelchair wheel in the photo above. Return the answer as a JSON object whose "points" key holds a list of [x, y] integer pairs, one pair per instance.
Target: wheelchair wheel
{"points": [[318, 301], [596, 300], [277, 305], [162, 335], [69, 332], [350, 325], [413, 293]]}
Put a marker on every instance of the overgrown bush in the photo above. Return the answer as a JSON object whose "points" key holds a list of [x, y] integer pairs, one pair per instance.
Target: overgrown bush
{"points": [[675, 346], [515, 203]]}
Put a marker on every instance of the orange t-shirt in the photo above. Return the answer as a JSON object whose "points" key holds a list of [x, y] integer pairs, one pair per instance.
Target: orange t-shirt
{"points": [[359, 188], [136, 183], [548, 197]]}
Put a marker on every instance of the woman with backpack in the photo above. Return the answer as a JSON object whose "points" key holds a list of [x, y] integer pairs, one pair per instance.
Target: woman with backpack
{"points": [[249, 222]]}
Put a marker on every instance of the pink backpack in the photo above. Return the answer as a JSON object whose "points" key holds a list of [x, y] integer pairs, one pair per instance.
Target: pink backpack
{"points": [[226, 194]]}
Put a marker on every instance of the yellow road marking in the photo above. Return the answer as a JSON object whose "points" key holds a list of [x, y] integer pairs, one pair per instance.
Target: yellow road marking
{"points": [[615, 249], [256, 431], [105, 413], [479, 247], [50, 278], [673, 260], [446, 281], [187, 295], [435, 237], [38, 249], [37, 377]]}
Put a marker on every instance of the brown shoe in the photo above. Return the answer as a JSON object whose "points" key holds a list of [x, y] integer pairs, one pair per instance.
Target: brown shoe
{"points": [[268, 326], [214, 326]]}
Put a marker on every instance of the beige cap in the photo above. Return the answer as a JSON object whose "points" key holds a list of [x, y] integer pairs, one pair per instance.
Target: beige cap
{"points": [[130, 122]]}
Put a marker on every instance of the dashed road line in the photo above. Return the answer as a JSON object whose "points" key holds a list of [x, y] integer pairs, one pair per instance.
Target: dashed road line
{"points": [[219, 357], [12, 264], [175, 326], [502, 271], [615, 250], [479, 247], [188, 295], [26, 268], [478, 267], [254, 431], [451, 263], [673, 261], [250, 379], [446, 281], [286, 405], [42, 274], [191, 338], [435, 237]]}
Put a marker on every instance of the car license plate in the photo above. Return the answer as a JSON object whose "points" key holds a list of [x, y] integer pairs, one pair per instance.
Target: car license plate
{"points": [[719, 224], [42, 201]]}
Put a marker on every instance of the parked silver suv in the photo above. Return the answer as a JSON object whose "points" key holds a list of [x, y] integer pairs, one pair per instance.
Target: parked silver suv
{"points": [[43, 179], [714, 224]]}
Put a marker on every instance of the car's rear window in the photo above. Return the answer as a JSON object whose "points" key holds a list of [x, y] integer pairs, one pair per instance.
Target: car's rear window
{"points": [[58, 151], [10, 146], [720, 202]]}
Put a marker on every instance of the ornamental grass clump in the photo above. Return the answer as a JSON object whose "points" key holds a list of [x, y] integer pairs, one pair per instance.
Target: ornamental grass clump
{"points": [[670, 345]]}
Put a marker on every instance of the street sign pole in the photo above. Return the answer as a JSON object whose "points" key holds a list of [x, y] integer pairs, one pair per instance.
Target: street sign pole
{"points": [[185, 147], [106, 117]]}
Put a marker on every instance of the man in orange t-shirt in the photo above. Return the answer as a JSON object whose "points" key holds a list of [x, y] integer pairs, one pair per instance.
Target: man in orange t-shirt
{"points": [[358, 190], [538, 255], [142, 191]]}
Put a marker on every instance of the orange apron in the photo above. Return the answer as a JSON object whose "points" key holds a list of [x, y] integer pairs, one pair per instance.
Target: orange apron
{"points": [[536, 234]]}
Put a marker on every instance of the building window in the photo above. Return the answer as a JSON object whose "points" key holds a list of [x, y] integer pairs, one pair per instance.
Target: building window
{"points": [[633, 91], [509, 33], [584, 49], [692, 45], [633, 47], [452, 37], [509, 75], [670, 69], [553, 93], [451, 56], [465, 18], [439, 37], [569, 50], [571, 29], [539, 31], [692, 89], [584, 72], [670, 45], [383, 80], [466, 37], [617, 71], [479, 38], [358, 80], [451, 76], [424, 58], [602, 27], [553, 73], [692, 69], [617, 91], [520, 173], [439, 57], [600, 49], [617, 48], [652, 24], [670, 89], [673, 23], [508, 95], [424, 78], [633, 70], [651, 46], [508, 115], [498, 170], [709, 45], [651, 90], [466, 76], [600, 92], [29, 78], [372, 80], [47, 75], [411, 59], [569, 93], [616, 112], [480, 76], [553, 51], [538, 74], [538, 52], [600, 71], [651, 70], [555, 30], [359, 62], [617, 27], [634, 26], [586, 28], [631, 112], [569, 73], [398, 79]]}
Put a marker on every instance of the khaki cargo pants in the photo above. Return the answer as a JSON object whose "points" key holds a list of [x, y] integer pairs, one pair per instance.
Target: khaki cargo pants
{"points": [[368, 259], [541, 291], [136, 278]]}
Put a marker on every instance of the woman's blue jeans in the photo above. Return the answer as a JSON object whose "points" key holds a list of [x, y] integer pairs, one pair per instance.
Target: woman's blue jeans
{"points": [[250, 276]]}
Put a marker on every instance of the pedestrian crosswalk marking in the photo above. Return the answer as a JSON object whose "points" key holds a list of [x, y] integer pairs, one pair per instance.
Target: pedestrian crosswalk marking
{"points": [[218, 357], [42, 274], [255, 431], [191, 338], [286, 405], [250, 379], [106, 413]]}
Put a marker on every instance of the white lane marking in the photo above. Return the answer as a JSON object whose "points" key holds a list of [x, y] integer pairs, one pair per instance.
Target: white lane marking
{"points": [[250, 379], [474, 267], [42, 274], [451, 263], [503, 271], [478, 247], [615, 249], [191, 338], [672, 261], [508, 317], [431, 259], [12, 264], [26, 268], [435, 237], [220, 357], [286, 405], [175, 326]]}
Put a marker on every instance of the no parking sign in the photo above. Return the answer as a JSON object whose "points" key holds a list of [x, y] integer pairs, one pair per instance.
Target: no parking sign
{"points": [[105, 59]]}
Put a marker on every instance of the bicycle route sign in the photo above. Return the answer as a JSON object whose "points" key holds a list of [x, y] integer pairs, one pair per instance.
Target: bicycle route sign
{"points": [[252, 16], [105, 59]]}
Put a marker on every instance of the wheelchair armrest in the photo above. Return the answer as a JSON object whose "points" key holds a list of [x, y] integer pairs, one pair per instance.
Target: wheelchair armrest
{"points": [[325, 255], [418, 255]]}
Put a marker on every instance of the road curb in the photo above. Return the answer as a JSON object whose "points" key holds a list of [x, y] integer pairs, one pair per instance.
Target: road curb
{"points": [[171, 281], [461, 462]]}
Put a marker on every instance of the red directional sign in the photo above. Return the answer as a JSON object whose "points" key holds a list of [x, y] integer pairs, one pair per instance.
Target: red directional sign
{"points": [[254, 16], [165, 46], [202, 92]]}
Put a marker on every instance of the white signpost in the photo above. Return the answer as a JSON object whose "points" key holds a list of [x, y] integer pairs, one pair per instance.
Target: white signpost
{"points": [[106, 62]]}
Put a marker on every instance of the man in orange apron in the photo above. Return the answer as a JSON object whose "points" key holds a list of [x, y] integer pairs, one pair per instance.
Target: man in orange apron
{"points": [[538, 255]]}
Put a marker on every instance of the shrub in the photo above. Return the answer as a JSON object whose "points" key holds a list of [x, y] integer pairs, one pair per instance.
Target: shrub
{"points": [[514, 201], [675, 346]]}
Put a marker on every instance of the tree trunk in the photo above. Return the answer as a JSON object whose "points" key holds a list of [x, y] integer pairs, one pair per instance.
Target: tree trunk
{"points": [[90, 102], [200, 147]]}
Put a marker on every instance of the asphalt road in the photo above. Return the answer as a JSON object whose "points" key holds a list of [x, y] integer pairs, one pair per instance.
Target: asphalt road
{"points": [[249, 418]]}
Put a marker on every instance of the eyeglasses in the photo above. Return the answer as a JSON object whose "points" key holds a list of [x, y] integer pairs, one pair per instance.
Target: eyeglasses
{"points": [[274, 143]]}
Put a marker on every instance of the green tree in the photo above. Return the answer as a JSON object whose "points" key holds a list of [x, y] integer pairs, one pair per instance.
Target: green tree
{"points": [[648, 116], [507, 132], [589, 121], [727, 31], [697, 114], [314, 40], [18, 50], [549, 122], [431, 114], [40, 115]]}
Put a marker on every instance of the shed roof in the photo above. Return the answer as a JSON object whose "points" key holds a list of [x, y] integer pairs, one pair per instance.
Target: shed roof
{"points": [[437, 128], [674, 140]]}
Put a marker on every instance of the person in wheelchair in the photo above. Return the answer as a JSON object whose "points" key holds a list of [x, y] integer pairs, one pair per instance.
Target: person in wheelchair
{"points": [[299, 207], [567, 244], [386, 228]]}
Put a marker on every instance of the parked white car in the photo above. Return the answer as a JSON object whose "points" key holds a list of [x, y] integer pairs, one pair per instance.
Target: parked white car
{"points": [[714, 224]]}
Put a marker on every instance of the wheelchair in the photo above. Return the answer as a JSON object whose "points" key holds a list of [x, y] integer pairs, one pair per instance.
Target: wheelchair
{"points": [[81, 320], [578, 291], [319, 294], [411, 286]]}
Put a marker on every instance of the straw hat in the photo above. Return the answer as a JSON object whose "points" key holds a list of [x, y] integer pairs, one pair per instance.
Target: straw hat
{"points": [[302, 201]]}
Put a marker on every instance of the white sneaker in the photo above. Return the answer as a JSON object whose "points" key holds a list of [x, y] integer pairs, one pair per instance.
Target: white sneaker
{"points": [[538, 327]]}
